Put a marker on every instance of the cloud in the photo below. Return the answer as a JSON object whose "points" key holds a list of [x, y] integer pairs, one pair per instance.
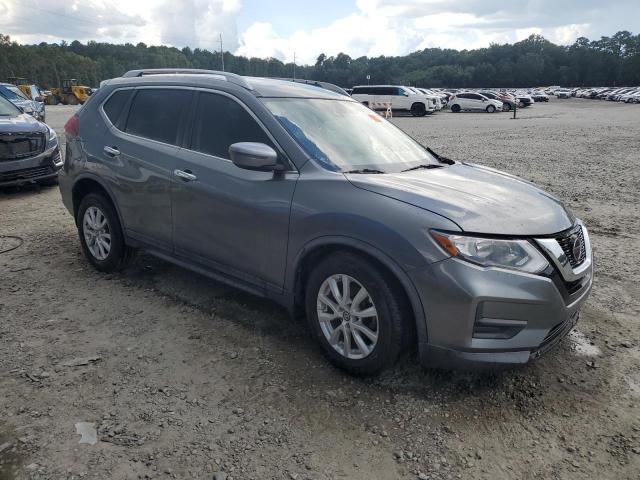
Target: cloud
{"points": [[198, 23], [194, 23], [52, 20], [397, 27], [374, 27]]}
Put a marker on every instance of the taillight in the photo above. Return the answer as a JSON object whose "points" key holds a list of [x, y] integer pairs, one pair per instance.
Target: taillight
{"points": [[72, 127]]}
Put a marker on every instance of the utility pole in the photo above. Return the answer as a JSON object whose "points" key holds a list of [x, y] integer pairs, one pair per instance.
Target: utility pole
{"points": [[294, 65], [221, 52]]}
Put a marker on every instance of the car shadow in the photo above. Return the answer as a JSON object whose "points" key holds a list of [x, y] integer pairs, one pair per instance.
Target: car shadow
{"points": [[25, 190], [269, 324]]}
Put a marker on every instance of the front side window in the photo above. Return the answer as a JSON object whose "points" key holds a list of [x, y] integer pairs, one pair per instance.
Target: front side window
{"points": [[221, 122], [344, 135], [155, 114]]}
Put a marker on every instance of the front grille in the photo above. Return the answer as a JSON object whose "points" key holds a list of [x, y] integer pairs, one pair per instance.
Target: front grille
{"points": [[572, 244], [26, 174], [15, 146]]}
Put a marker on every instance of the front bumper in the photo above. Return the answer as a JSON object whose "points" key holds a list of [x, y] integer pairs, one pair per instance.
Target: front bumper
{"points": [[30, 170], [494, 317]]}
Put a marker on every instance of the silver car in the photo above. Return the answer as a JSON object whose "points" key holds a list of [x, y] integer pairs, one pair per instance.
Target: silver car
{"points": [[306, 197]]}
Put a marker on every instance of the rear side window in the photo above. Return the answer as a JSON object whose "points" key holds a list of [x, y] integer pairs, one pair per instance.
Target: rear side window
{"points": [[220, 122], [155, 114], [116, 103], [361, 91]]}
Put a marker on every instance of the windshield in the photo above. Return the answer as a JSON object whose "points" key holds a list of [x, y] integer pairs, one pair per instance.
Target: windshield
{"points": [[7, 108], [13, 93], [344, 135]]}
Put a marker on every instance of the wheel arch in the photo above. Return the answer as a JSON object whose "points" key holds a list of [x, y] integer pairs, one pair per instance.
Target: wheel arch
{"points": [[320, 247], [90, 184]]}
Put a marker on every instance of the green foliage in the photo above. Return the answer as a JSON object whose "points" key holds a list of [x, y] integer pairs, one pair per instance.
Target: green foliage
{"points": [[532, 62]]}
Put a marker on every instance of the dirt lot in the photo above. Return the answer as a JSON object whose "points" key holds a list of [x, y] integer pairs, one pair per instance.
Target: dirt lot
{"points": [[186, 378]]}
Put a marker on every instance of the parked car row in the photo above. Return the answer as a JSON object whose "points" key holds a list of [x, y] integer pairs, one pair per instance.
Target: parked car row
{"points": [[624, 94], [32, 104], [422, 101]]}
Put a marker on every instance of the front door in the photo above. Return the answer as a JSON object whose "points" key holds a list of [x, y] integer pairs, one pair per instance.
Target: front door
{"points": [[228, 218]]}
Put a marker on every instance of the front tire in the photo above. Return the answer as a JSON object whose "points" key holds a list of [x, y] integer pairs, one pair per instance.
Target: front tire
{"points": [[418, 110], [491, 109], [506, 107], [455, 108], [101, 234], [357, 315]]}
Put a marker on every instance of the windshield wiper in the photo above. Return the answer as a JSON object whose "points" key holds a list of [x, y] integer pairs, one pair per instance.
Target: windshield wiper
{"points": [[440, 158], [364, 170], [421, 166]]}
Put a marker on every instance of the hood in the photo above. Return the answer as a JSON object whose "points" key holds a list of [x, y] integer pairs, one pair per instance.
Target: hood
{"points": [[22, 123], [479, 199], [26, 105]]}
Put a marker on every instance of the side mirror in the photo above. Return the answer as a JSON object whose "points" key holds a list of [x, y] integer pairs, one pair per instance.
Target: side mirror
{"points": [[253, 156], [39, 99], [484, 99]]}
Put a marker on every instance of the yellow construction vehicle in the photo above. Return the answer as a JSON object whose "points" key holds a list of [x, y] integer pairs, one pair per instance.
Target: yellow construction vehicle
{"points": [[23, 84], [69, 94]]}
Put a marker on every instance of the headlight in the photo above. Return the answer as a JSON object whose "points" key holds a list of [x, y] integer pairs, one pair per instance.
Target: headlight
{"points": [[489, 252], [52, 137]]}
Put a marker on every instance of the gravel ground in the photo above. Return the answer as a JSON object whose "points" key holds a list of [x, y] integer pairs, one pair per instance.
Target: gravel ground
{"points": [[186, 378]]}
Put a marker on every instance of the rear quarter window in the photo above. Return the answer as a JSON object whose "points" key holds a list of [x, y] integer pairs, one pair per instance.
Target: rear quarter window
{"points": [[114, 106], [155, 114]]}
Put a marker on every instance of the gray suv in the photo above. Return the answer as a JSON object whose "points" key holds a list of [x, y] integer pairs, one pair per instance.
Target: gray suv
{"points": [[305, 196]]}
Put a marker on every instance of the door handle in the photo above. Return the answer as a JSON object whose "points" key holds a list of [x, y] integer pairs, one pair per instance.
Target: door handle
{"points": [[185, 175], [111, 151]]}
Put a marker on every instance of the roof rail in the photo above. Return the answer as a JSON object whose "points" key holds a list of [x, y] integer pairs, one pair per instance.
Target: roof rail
{"points": [[229, 77]]}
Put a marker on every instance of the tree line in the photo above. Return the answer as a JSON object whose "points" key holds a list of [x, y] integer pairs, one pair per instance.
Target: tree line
{"points": [[534, 61]]}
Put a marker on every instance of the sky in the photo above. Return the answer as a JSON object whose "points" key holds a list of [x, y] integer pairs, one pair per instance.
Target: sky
{"points": [[280, 29]]}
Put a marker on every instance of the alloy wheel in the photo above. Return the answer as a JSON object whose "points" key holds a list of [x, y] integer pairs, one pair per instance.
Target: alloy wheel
{"points": [[97, 233], [348, 317]]}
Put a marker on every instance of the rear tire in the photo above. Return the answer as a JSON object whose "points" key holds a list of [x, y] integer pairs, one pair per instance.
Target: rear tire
{"points": [[101, 234], [506, 107], [330, 325], [455, 108]]}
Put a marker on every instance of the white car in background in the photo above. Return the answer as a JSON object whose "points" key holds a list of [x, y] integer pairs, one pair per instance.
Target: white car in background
{"points": [[563, 94], [401, 98], [440, 99], [467, 101]]}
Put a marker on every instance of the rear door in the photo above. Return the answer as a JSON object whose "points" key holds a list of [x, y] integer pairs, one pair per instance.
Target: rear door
{"points": [[463, 101], [139, 152], [225, 217], [475, 102]]}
